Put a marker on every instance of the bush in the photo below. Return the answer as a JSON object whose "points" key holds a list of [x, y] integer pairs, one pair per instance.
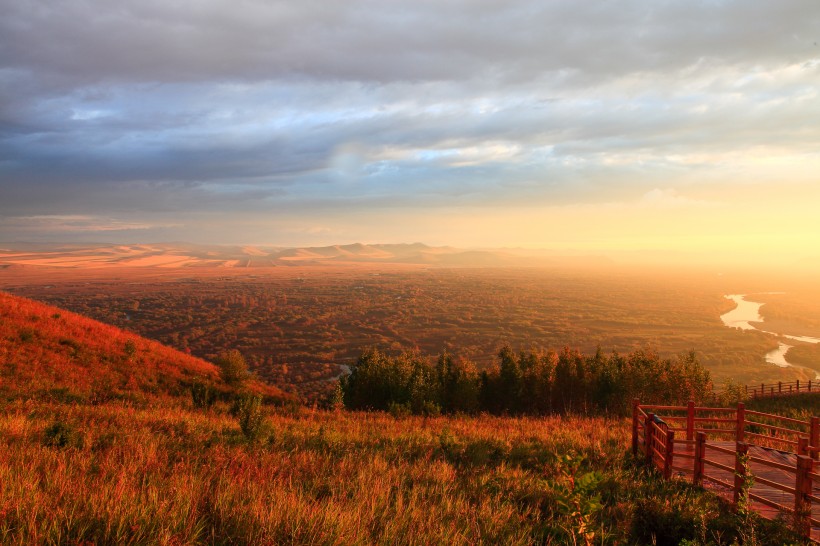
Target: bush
{"points": [[399, 411], [232, 367]]}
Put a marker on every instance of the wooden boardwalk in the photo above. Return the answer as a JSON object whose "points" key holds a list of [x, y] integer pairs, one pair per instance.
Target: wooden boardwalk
{"points": [[691, 443], [758, 470]]}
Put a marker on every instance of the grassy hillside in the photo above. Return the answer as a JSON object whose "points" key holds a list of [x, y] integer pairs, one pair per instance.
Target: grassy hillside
{"points": [[49, 353], [111, 474], [100, 444]]}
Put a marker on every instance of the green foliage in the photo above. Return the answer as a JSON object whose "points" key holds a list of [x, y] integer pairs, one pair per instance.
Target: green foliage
{"points": [[399, 411], [232, 367], [337, 399], [203, 395], [732, 394], [533, 382], [743, 510], [247, 408], [577, 496]]}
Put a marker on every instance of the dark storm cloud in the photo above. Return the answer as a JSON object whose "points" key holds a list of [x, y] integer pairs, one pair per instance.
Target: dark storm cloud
{"points": [[161, 106]]}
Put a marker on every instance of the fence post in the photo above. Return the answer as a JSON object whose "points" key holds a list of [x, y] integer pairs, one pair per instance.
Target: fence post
{"points": [[802, 491], [779, 387], [741, 422], [648, 435], [798, 386], [690, 421], [700, 454], [740, 471], [809, 385], [668, 454], [802, 443], [762, 390], [814, 435], [635, 404]]}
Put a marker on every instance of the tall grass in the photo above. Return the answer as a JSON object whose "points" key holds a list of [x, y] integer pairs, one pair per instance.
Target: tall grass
{"points": [[170, 475]]}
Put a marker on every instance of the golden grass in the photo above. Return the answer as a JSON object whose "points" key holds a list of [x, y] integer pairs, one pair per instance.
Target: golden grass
{"points": [[170, 475]]}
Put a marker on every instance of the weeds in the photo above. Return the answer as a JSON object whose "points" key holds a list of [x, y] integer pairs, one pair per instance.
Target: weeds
{"points": [[578, 499], [203, 395], [248, 410]]}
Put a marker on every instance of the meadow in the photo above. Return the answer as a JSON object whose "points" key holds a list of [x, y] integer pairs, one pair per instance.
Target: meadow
{"points": [[113, 474]]}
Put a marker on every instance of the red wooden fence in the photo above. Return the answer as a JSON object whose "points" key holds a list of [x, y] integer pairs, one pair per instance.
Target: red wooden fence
{"points": [[780, 388], [710, 444]]}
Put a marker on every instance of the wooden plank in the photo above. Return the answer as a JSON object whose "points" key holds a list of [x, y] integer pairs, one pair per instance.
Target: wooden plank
{"points": [[714, 420], [776, 428], [720, 449], [773, 464], [725, 467], [778, 418], [717, 481], [775, 485], [767, 502]]}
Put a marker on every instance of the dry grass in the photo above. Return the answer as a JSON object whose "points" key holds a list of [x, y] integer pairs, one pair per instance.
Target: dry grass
{"points": [[168, 475], [47, 352]]}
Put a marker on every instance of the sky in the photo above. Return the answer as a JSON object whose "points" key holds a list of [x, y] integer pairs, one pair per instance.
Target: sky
{"points": [[637, 126]]}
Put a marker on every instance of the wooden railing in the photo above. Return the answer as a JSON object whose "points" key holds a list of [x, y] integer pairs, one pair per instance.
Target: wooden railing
{"points": [[716, 449], [780, 388]]}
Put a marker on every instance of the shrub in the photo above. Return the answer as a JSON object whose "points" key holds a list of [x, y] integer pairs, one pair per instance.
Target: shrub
{"points": [[232, 367], [398, 410]]}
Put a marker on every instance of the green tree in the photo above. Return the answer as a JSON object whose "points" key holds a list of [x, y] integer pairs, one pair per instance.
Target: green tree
{"points": [[232, 367], [509, 378]]}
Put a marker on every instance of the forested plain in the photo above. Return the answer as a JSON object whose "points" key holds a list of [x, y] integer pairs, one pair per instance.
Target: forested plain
{"points": [[299, 327]]}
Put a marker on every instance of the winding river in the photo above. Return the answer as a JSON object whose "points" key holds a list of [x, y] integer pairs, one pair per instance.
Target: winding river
{"points": [[748, 312]]}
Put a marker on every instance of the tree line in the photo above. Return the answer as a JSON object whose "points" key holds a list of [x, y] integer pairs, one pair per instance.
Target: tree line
{"points": [[533, 382]]}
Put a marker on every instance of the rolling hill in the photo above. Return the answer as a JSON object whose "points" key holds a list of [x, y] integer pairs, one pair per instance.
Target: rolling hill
{"points": [[49, 353]]}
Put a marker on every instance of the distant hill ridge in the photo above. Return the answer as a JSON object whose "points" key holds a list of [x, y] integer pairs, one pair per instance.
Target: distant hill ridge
{"points": [[177, 255], [46, 352]]}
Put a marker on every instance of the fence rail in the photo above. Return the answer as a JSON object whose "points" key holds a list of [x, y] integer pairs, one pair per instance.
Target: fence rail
{"points": [[768, 390], [722, 444]]}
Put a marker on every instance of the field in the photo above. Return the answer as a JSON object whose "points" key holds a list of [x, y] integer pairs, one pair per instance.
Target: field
{"points": [[299, 325], [112, 474]]}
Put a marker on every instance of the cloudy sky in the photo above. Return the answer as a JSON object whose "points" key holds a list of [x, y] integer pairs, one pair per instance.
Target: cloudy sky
{"points": [[628, 125]]}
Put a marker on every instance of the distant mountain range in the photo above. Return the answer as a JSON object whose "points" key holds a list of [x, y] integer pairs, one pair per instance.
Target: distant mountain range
{"points": [[178, 255]]}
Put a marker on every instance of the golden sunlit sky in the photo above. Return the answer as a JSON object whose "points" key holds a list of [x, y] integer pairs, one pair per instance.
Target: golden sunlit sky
{"points": [[689, 127]]}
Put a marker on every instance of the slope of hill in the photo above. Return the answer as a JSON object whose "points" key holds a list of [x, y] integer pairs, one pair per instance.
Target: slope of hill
{"points": [[46, 352]]}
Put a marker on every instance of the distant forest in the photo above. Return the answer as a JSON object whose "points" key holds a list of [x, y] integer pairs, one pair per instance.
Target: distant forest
{"points": [[299, 328], [530, 382]]}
